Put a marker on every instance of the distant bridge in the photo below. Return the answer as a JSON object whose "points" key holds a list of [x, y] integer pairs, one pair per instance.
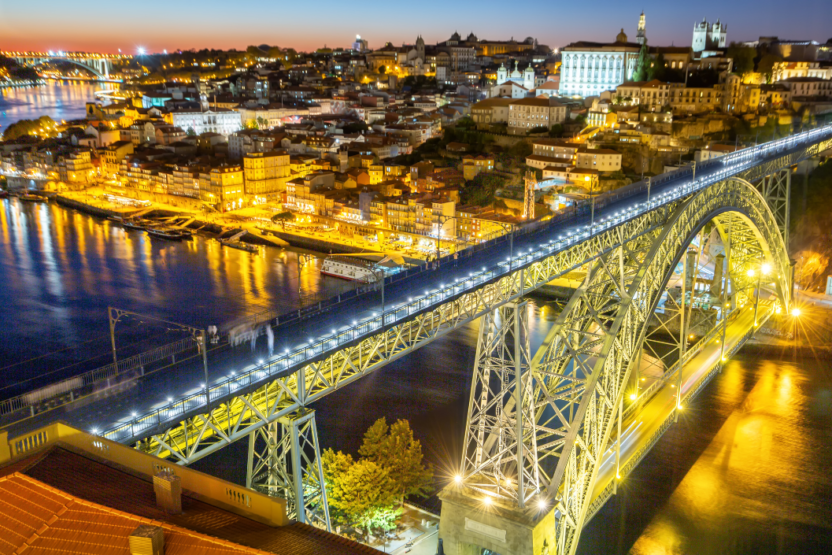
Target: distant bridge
{"points": [[97, 63]]}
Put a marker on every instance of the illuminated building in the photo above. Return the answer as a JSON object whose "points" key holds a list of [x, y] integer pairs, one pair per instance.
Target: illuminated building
{"points": [[590, 68], [709, 37], [266, 173], [224, 122]]}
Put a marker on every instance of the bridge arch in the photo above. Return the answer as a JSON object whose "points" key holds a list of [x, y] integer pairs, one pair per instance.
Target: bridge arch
{"points": [[86, 66], [581, 370]]}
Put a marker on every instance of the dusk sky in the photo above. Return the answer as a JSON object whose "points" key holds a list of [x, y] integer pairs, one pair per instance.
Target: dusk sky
{"points": [[95, 25]]}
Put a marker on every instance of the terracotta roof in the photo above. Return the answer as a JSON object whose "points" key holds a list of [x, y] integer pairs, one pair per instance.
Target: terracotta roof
{"points": [[47, 520], [92, 481]]}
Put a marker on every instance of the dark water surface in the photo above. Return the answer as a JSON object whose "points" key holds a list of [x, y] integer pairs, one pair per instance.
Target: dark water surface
{"points": [[746, 471]]}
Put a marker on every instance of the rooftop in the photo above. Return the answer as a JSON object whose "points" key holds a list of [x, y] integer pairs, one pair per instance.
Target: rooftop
{"points": [[82, 498]]}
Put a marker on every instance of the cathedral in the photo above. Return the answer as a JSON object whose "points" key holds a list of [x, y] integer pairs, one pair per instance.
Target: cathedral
{"points": [[525, 79]]}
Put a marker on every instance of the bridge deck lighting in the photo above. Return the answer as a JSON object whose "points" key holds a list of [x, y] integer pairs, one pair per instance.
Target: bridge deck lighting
{"points": [[632, 396], [541, 504], [458, 479], [486, 500], [795, 312]]}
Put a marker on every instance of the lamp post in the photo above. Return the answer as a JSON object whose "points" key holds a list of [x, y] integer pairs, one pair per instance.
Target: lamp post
{"points": [[379, 275], [441, 219]]}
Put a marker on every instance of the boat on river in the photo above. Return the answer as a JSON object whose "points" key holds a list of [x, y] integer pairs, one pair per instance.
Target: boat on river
{"points": [[168, 233], [30, 197], [353, 268], [235, 243]]}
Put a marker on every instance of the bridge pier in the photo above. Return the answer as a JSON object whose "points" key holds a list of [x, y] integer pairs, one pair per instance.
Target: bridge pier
{"points": [[284, 460], [494, 502]]}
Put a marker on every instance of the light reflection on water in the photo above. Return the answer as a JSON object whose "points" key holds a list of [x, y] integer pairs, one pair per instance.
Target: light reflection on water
{"points": [[60, 100], [61, 269], [760, 483]]}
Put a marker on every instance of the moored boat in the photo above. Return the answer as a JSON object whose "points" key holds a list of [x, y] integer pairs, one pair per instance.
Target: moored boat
{"points": [[239, 245], [167, 233], [29, 197], [352, 269]]}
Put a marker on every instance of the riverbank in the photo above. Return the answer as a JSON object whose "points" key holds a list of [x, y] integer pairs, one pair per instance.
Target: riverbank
{"points": [[256, 221]]}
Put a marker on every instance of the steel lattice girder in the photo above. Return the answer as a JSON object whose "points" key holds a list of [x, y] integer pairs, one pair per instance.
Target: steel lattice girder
{"points": [[581, 369], [288, 465], [195, 437], [492, 452]]}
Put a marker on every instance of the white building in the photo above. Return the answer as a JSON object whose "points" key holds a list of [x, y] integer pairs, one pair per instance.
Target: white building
{"points": [[709, 37], [590, 68], [218, 120], [526, 79]]}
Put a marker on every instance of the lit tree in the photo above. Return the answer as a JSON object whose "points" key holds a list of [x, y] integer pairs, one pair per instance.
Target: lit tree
{"points": [[283, 217], [642, 64], [399, 453]]}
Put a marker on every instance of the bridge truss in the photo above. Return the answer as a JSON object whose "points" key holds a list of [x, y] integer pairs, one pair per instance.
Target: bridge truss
{"points": [[571, 389], [580, 372]]}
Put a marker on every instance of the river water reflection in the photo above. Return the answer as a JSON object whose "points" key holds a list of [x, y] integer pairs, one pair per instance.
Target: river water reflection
{"points": [[60, 100]]}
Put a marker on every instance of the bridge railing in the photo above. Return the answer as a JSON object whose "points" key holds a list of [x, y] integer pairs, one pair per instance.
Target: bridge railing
{"points": [[68, 390]]}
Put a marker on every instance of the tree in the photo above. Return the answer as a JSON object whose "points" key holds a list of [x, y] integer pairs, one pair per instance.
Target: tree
{"points": [[743, 57], [766, 64], [400, 454], [521, 149], [262, 122], [382, 69], [355, 127], [556, 131], [191, 132], [359, 493], [657, 68], [283, 217], [642, 64], [537, 129], [368, 497]]}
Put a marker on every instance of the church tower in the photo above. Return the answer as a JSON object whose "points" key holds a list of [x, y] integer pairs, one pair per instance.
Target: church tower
{"points": [[641, 36], [528, 78], [420, 48], [502, 74]]}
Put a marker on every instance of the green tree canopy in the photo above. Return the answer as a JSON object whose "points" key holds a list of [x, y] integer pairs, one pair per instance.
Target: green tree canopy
{"points": [[355, 127], [283, 217], [382, 69], [743, 57], [44, 126], [400, 454], [766, 64], [556, 131], [642, 64], [361, 493]]}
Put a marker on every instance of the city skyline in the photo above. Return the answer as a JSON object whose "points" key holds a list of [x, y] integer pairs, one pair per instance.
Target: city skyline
{"points": [[181, 28]]}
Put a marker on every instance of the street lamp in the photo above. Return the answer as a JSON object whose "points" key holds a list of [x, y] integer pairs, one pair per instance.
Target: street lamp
{"points": [[441, 219], [379, 275]]}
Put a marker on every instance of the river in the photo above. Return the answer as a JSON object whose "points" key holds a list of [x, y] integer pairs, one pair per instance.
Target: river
{"points": [[744, 472], [60, 100]]}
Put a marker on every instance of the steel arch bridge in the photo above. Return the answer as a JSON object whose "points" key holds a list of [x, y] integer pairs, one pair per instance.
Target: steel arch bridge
{"points": [[572, 390], [98, 64]]}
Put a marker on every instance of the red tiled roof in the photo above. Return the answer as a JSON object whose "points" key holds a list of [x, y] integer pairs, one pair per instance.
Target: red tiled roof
{"points": [[36, 518], [94, 482]]}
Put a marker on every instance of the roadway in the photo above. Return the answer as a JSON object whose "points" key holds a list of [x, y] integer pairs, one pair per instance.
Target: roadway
{"points": [[322, 332]]}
